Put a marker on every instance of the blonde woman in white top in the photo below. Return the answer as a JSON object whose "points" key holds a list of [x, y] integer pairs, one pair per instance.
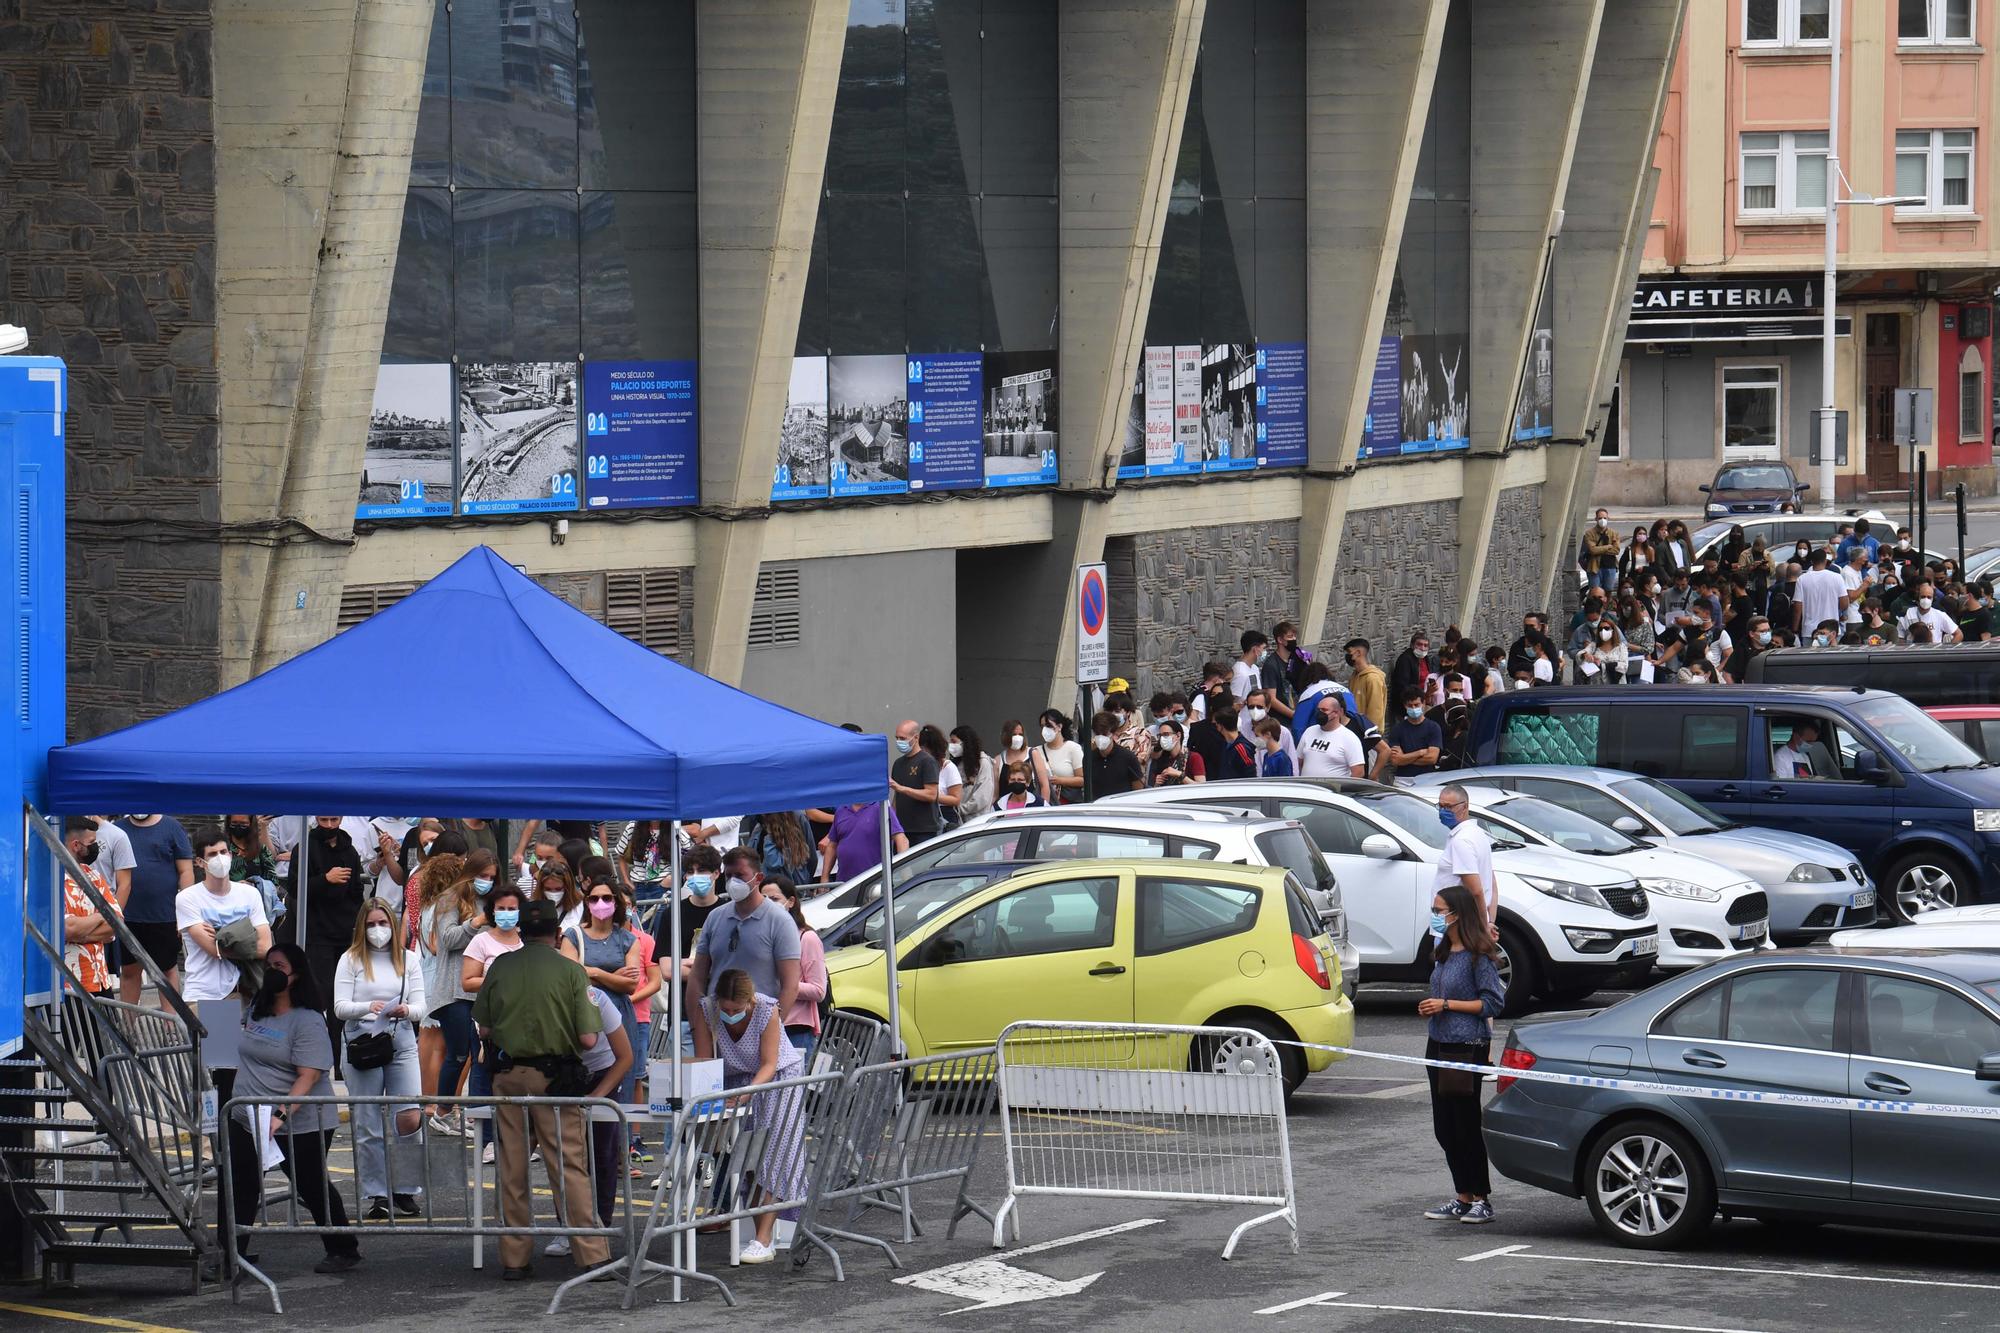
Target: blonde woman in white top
{"points": [[378, 988]]}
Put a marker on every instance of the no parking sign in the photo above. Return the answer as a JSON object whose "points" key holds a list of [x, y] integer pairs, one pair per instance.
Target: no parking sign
{"points": [[1093, 626]]}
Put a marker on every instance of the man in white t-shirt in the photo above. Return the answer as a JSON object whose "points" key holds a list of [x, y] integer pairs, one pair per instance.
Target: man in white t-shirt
{"points": [[1247, 673], [204, 911], [1468, 854], [1329, 749], [1924, 612], [1820, 596]]}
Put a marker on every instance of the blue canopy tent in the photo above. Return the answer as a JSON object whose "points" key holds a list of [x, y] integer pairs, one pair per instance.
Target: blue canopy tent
{"points": [[534, 709]]}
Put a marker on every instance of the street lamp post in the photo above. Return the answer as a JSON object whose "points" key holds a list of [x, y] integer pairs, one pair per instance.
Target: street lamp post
{"points": [[1828, 278]]}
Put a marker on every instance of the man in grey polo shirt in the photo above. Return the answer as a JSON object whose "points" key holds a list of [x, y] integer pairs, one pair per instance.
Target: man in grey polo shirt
{"points": [[752, 934]]}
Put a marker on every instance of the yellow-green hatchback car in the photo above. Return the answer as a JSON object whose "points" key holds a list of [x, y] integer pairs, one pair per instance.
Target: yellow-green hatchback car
{"points": [[1116, 941]]}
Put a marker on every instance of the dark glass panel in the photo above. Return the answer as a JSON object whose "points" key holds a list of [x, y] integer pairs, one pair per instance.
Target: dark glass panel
{"points": [[636, 94], [515, 275], [1281, 99], [1228, 103], [813, 312], [865, 274], [430, 152], [1280, 306], [1019, 94], [1228, 269], [1175, 316], [513, 94], [941, 55], [419, 324], [641, 276], [865, 153], [949, 301], [1022, 250]]}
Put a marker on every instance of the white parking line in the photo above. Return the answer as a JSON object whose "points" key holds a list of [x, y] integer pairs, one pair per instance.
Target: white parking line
{"points": [[1330, 1301], [1523, 1252]]}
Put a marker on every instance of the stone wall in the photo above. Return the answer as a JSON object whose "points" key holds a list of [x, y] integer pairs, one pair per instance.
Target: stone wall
{"points": [[1512, 579], [107, 258], [1396, 573], [1181, 598]]}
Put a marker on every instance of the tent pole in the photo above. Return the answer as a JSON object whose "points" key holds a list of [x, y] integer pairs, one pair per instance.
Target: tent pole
{"points": [[301, 866], [889, 931], [676, 987]]}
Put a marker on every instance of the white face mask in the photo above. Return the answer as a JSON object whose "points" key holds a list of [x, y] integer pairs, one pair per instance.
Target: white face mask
{"points": [[1050, 735], [955, 750], [378, 937], [1259, 714], [1017, 742], [1103, 743], [218, 866], [1167, 743], [739, 889], [1923, 603]]}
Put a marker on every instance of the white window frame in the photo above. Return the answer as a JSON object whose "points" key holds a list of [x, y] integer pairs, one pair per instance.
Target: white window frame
{"points": [[1971, 367], [1934, 152], [1774, 452], [1788, 28], [1934, 24], [1785, 153]]}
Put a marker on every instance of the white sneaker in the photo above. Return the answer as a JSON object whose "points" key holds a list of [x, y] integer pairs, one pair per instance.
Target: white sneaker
{"points": [[756, 1252], [486, 1157], [558, 1248]]}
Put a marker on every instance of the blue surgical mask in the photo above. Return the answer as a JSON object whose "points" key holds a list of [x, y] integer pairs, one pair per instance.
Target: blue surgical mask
{"points": [[902, 746], [699, 886], [1414, 712], [506, 918], [482, 887], [736, 1019], [1438, 922], [1448, 818]]}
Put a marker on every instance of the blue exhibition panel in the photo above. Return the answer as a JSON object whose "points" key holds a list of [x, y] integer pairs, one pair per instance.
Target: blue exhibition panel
{"points": [[32, 395]]}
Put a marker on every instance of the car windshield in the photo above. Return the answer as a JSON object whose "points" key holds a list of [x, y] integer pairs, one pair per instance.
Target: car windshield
{"points": [[1914, 734], [1771, 477], [1668, 808], [1565, 828], [1292, 849], [917, 903], [1413, 815]]}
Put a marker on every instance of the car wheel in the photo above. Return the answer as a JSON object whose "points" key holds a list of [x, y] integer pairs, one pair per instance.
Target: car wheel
{"points": [[1240, 1055], [1520, 973], [1648, 1186], [1925, 881]]}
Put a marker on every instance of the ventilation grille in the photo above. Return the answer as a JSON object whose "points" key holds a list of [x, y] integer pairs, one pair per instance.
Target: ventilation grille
{"points": [[24, 545], [775, 615], [24, 567], [645, 606], [26, 702], [359, 603]]}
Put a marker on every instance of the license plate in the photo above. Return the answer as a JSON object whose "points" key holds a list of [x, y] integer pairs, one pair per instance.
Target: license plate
{"points": [[1865, 898], [1645, 945], [1756, 930]]}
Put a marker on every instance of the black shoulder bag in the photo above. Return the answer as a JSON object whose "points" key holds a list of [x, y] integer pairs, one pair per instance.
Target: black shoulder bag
{"points": [[372, 1050]]}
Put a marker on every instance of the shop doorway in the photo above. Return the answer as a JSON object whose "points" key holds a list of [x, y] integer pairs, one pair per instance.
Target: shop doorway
{"points": [[1883, 368]]}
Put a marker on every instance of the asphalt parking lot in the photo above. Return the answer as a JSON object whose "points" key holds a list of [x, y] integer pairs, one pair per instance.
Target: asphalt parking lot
{"points": [[1365, 1165]]}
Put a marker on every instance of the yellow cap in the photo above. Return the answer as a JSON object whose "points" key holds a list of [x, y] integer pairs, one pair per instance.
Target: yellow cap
{"points": [[1117, 685]]}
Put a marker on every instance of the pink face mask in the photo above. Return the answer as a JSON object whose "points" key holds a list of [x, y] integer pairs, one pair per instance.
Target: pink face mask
{"points": [[602, 908]]}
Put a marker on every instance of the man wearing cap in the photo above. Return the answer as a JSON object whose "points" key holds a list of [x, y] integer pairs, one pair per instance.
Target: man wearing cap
{"points": [[535, 1008]]}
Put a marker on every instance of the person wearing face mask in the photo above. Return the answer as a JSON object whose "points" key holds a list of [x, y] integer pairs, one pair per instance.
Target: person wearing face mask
{"points": [[748, 1023], [221, 922], [1606, 655], [378, 992], [913, 777], [1110, 766], [981, 773], [1017, 789], [1247, 672], [162, 866], [334, 893], [1414, 741], [1465, 995], [752, 935], [450, 914], [1283, 672], [1260, 708], [1015, 748], [1173, 763], [607, 947], [1367, 687], [1062, 758], [86, 927], [1132, 733], [251, 862], [1468, 855], [501, 936], [951, 778], [1757, 639], [1926, 612]]}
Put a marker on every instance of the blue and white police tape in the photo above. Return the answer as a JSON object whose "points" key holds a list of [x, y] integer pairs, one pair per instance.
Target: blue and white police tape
{"points": [[1947, 1110]]}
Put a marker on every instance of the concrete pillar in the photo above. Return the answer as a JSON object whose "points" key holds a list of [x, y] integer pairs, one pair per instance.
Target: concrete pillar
{"points": [[1530, 67], [1606, 209], [315, 111], [1126, 67], [1370, 68], [767, 72]]}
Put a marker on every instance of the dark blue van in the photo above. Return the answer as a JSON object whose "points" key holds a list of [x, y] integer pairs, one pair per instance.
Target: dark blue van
{"points": [[1882, 778]]}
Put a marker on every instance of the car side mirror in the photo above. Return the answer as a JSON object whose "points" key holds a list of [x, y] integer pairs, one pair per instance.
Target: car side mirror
{"points": [[1703, 488], [1802, 487], [1628, 824], [1988, 1068], [1869, 765], [1381, 847]]}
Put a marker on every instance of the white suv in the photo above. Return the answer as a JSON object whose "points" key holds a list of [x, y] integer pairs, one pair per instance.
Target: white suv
{"points": [[1706, 911], [1074, 832], [1568, 927]]}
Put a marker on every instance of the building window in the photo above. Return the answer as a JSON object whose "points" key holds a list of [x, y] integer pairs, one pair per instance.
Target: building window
{"points": [[1753, 400], [1784, 173], [1971, 396], [777, 609], [1926, 22], [1784, 22], [1935, 166]]}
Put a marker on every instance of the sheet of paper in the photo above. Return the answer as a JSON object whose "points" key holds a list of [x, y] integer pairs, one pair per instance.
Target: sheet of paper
{"points": [[1646, 673], [272, 1156], [1588, 668]]}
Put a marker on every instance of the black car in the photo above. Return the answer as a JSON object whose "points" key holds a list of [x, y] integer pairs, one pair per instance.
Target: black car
{"points": [[1751, 488]]}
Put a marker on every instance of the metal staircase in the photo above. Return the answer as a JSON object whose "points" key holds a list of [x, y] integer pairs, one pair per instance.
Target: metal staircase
{"points": [[101, 1142]]}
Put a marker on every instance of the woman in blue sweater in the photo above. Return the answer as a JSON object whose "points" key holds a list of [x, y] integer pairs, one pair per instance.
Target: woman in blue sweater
{"points": [[1466, 993]]}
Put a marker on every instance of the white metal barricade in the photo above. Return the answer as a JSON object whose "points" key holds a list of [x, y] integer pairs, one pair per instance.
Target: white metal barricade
{"points": [[1136, 1111]]}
